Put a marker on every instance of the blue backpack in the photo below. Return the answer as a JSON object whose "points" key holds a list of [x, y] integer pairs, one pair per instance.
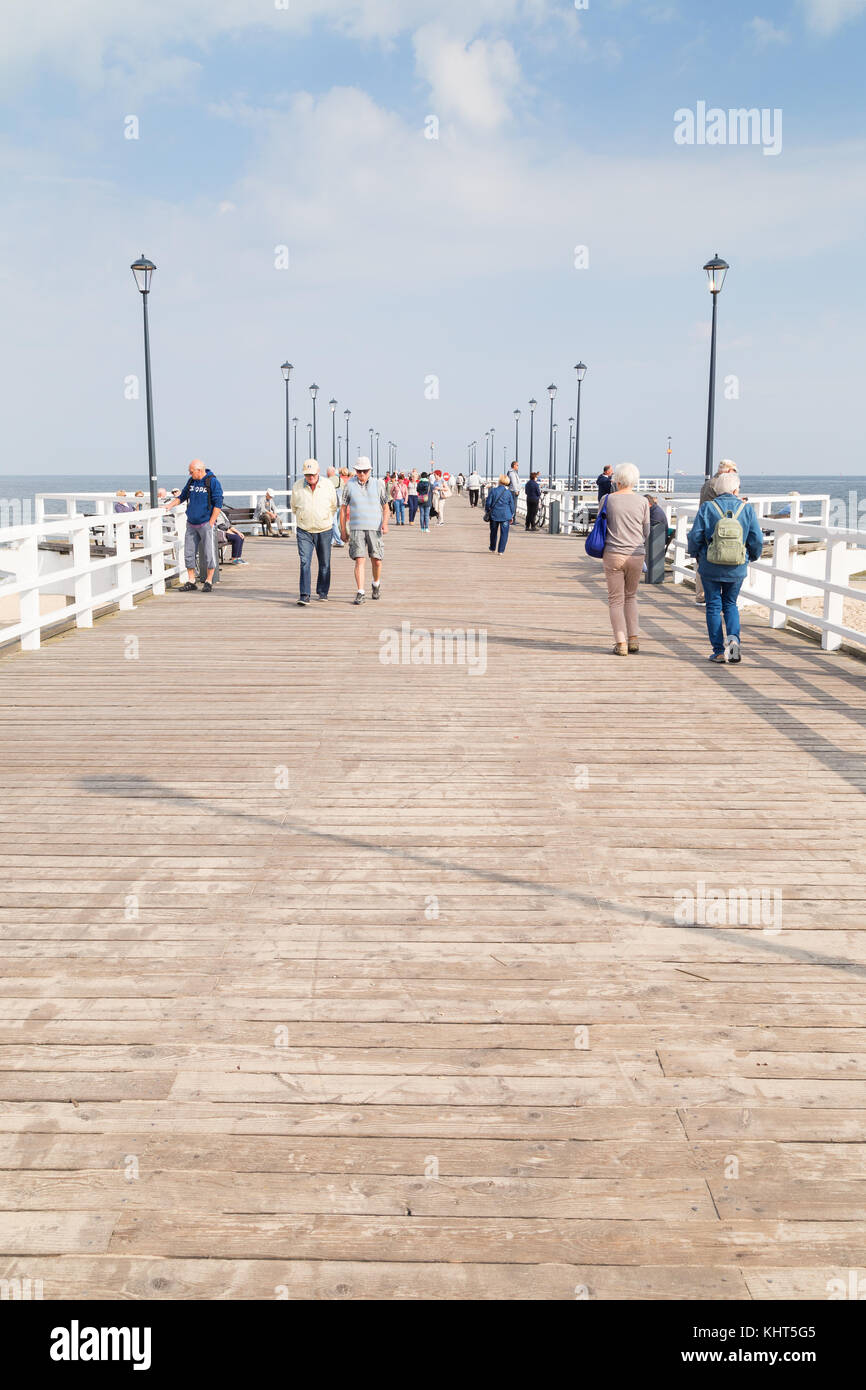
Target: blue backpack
{"points": [[597, 538]]}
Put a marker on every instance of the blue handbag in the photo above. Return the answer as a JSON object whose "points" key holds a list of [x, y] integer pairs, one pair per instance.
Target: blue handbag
{"points": [[597, 538]]}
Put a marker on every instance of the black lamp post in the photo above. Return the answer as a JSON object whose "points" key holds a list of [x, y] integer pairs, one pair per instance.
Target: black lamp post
{"points": [[333, 404], [517, 436], [143, 270], [295, 439], [580, 369], [555, 428], [532, 404], [492, 454], [570, 447], [486, 453], [551, 391], [668, 479], [314, 391], [377, 453], [346, 414], [371, 449], [286, 370], [310, 453], [716, 270]]}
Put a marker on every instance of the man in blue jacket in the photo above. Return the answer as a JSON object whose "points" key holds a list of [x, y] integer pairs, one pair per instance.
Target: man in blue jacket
{"points": [[724, 537], [203, 495]]}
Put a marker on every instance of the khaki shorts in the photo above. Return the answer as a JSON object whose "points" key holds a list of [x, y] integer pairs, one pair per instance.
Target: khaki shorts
{"points": [[366, 543]]}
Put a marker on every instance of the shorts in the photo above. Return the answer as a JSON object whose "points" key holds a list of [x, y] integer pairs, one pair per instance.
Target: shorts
{"points": [[366, 543]]}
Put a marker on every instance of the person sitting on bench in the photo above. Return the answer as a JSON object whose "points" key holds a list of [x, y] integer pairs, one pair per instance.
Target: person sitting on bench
{"points": [[268, 516]]}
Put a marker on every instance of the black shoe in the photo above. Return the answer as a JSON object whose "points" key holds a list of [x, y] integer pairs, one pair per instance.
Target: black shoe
{"points": [[377, 591], [360, 598], [302, 603], [187, 588], [321, 598], [207, 587]]}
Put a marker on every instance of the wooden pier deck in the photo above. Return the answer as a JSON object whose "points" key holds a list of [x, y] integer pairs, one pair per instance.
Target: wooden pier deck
{"points": [[327, 978]]}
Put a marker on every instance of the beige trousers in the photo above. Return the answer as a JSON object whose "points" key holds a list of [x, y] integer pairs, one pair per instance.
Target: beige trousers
{"points": [[623, 573]]}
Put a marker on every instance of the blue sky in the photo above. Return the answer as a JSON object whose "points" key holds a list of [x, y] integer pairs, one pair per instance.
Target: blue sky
{"points": [[412, 258]]}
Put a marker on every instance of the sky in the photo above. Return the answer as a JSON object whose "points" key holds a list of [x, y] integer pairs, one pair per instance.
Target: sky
{"points": [[433, 211]]}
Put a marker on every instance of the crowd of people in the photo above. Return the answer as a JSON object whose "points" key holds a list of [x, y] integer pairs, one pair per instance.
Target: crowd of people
{"points": [[355, 510]]}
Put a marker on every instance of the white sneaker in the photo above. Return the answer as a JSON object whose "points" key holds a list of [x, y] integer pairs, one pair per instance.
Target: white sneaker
{"points": [[732, 649]]}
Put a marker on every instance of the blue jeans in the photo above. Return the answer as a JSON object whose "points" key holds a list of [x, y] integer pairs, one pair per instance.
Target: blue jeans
{"points": [[721, 596], [424, 509], [399, 511], [320, 541], [503, 527]]}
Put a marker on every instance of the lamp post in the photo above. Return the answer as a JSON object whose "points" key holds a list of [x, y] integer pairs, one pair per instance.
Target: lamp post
{"points": [[668, 479], [532, 404], [311, 453], [551, 391], [339, 452], [580, 369], [295, 438], [346, 414], [143, 270], [371, 449], [716, 270], [492, 454], [333, 404], [377, 453], [314, 391], [486, 453], [286, 370], [555, 428], [570, 447], [517, 436]]}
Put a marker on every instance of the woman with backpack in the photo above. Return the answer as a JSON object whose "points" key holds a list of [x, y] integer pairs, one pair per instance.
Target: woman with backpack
{"points": [[725, 536], [425, 497]]}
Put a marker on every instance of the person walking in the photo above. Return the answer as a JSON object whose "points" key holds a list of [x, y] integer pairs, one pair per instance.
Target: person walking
{"points": [[314, 506], [364, 523], [628, 526], [461, 483], [604, 482], [709, 490], [533, 501], [500, 509], [424, 490], [474, 487], [442, 497], [399, 495], [514, 483], [725, 536], [412, 495], [203, 495]]}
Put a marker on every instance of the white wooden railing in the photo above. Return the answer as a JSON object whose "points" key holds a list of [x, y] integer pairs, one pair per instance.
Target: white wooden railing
{"points": [[148, 549], [774, 581], [103, 502]]}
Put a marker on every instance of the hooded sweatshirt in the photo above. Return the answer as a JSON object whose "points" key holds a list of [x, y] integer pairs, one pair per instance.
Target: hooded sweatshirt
{"points": [[198, 506]]}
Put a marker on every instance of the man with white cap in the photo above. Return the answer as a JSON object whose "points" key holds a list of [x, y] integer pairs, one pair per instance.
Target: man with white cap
{"points": [[314, 505], [363, 523]]}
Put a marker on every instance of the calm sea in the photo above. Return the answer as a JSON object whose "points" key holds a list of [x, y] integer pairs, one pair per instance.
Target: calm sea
{"points": [[17, 491]]}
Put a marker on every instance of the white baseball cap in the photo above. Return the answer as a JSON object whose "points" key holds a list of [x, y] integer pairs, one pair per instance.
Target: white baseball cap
{"points": [[362, 465], [310, 467]]}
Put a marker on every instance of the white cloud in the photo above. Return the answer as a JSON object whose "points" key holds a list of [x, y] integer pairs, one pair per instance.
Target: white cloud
{"points": [[829, 15], [764, 34], [475, 83]]}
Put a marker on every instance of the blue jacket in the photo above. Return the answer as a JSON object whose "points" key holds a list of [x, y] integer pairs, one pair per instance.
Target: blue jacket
{"points": [[702, 533], [501, 503], [195, 494], [532, 490]]}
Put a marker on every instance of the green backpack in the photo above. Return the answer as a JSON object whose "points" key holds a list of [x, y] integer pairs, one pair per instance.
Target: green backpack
{"points": [[727, 546]]}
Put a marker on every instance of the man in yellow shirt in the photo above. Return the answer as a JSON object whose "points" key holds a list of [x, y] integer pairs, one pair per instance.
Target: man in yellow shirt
{"points": [[314, 506]]}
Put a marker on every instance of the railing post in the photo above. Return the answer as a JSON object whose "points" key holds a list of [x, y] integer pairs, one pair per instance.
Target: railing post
{"points": [[778, 584], [825, 511], [680, 551], [835, 573], [153, 541], [40, 507], [123, 568], [30, 611], [84, 581]]}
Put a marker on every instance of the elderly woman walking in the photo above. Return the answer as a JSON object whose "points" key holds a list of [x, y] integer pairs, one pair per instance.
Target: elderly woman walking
{"points": [[628, 525]]}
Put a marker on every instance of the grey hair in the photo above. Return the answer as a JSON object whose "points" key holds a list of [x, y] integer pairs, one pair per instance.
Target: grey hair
{"points": [[727, 482], [625, 475]]}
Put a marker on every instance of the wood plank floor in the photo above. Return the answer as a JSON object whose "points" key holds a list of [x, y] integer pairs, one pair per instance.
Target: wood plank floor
{"points": [[323, 977]]}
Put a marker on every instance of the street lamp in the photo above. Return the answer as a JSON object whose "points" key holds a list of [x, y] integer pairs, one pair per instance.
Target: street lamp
{"points": [[286, 370], [492, 455], [570, 445], [716, 270], [580, 369], [668, 480], [371, 449], [517, 436], [551, 391], [346, 414], [555, 428], [532, 404], [143, 270], [377, 453], [295, 439], [333, 404], [314, 391], [486, 453]]}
